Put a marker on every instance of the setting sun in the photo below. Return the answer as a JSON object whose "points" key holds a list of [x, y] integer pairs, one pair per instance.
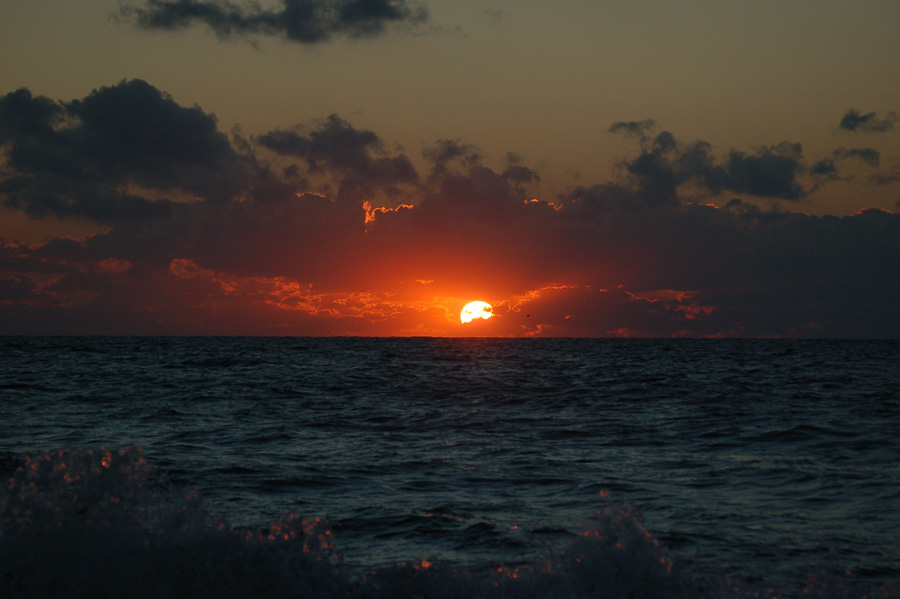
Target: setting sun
{"points": [[474, 310]]}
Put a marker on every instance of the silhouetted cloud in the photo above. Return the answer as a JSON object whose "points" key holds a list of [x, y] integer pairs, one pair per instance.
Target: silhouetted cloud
{"points": [[665, 163], [302, 21], [517, 172], [829, 169], [335, 144], [869, 156], [637, 129], [446, 151], [824, 168], [358, 156], [854, 120], [771, 172], [887, 178], [247, 248], [78, 158], [24, 116], [134, 130]]}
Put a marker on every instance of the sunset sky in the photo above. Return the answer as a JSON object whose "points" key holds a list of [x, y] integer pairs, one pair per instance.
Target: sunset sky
{"points": [[367, 167]]}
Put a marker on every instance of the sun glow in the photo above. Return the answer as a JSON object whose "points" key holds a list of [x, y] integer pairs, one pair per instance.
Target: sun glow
{"points": [[474, 310]]}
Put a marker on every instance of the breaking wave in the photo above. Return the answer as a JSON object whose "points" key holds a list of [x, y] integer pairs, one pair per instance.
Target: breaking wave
{"points": [[91, 524]]}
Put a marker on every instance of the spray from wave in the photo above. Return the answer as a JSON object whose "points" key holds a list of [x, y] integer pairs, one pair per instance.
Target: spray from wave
{"points": [[90, 524]]}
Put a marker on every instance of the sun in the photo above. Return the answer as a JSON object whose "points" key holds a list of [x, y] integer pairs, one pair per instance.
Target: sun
{"points": [[474, 310]]}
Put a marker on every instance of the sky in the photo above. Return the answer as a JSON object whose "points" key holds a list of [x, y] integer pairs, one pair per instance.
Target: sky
{"points": [[367, 167]]}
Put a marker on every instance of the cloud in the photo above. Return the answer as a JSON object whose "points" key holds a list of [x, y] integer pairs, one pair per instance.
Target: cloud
{"points": [[80, 158], [771, 172], [829, 169], [301, 21], [448, 151], [134, 130], [357, 156], [887, 178], [854, 120], [666, 163], [869, 156], [340, 236], [336, 143], [698, 271], [637, 129], [824, 168], [517, 172]]}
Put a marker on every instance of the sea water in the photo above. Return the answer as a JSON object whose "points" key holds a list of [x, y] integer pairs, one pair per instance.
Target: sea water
{"points": [[423, 467]]}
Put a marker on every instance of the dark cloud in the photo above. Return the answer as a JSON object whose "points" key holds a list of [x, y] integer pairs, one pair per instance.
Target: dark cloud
{"points": [[335, 144], [600, 198], [42, 197], [265, 253], [869, 156], [637, 129], [132, 130], [887, 178], [301, 267], [302, 21], [357, 156], [824, 168], [771, 172], [854, 120], [656, 172], [79, 158], [664, 164], [128, 151], [517, 172], [24, 116], [829, 169], [447, 151]]}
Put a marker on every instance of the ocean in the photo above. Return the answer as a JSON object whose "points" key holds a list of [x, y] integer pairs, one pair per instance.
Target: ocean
{"points": [[437, 468]]}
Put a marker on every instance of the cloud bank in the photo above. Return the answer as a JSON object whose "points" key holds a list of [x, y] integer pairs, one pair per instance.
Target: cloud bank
{"points": [[321, 229], [301, 21]]}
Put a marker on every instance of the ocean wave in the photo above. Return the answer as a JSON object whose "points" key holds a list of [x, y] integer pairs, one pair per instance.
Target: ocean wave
{"points": [[103, 523]]}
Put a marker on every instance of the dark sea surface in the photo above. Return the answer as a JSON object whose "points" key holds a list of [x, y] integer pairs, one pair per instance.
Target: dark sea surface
{"points": [[422, 467]]}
